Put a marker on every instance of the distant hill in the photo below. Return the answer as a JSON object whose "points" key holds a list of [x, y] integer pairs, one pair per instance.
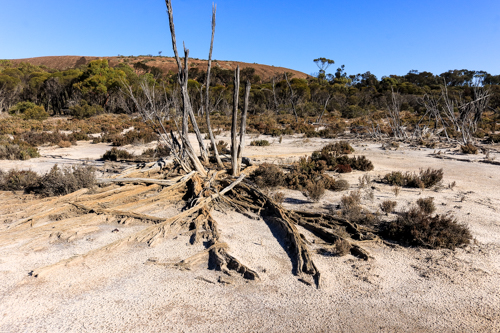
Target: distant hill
{"points": [[164, 63]]}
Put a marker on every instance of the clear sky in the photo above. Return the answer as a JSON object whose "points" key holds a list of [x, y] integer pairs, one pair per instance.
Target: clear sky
{"points": [[382, 36]]}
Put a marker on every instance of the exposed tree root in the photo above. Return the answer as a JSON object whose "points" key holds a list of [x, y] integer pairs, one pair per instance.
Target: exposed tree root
{"points": [[73, 216]]}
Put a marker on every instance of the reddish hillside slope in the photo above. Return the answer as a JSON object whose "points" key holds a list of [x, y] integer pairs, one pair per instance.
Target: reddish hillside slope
{"points": [[164, 63]]}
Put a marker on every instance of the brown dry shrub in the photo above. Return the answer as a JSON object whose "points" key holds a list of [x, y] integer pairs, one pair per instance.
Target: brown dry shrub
{"points": [[17, 150], [417, 228], [268, 175], [260, 143], [339, 185], [116, 154], [426, 205], [387, 206], [15, 180], [158, 151], [279, 197], [64, 144], [424, 179], [314, 190], [222, 147], [62, 181], [350, 201], [468, 149], [342, 247], [343, 168]]}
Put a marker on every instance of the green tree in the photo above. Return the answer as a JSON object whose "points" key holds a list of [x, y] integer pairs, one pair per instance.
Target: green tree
{"points": [[99, 81], [323, 64]]}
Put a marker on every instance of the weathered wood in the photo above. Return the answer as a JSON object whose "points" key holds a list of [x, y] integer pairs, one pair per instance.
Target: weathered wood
{"points": [[243, 125], [168, 182], [135, 181], [207, 97], [234, 125], [187, 109]]}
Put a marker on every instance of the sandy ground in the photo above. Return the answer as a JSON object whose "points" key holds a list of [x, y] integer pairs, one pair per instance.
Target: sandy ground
{"points": [[399, 290]]}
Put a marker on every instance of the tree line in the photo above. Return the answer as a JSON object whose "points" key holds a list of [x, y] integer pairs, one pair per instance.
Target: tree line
{"points": [[98, 88]]}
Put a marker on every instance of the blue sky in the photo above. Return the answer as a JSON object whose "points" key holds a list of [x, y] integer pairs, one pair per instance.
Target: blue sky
{"points": [[384, 37]]}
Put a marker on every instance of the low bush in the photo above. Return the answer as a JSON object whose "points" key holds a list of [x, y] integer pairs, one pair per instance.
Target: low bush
{"points": [[468, 149], [28, 110], [58, 181], [343, 168], [52, 138], [493, 138], [64, 144], [62, 181], [416, 228], [222, 147], [15, 180], [279, 197], [426, 205], [342, 247], [339, 185], [141, 136], [268, 175], [388, 206], [116, 154], [17, 150], [314, 190], [159, 151], [334, 157], [424, 179], [260, 143], [84, 110]]}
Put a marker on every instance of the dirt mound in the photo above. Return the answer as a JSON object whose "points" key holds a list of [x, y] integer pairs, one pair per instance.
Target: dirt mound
{"points": [[164, 63]]}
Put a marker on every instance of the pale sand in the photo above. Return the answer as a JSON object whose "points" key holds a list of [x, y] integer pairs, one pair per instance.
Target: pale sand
{"points": [[399, 290]]}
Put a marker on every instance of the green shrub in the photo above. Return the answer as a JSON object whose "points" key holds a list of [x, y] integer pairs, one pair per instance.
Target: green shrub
{"points": [[415, 227], [468, 149], [222, 147], [424, 179], [159, 151], [15, 180], [84, 110], [28, 110], [116, 154], [387, 206], [268, 175], [494, 138], [260, 143], [314, 190], [426, 205], [339, 185], [62, 181], [17, 150]]}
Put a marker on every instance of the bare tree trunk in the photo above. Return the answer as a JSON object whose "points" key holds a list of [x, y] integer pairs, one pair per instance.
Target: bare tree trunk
{"points": [[186, 104], [324, 109], [234, 147], [243, 125], [207, 98], [292, 99], [276, 107]]}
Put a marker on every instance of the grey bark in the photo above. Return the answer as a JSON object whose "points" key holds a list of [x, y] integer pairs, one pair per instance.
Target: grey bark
{"points": [[207, 97], [243, 125], [187, 110], [234, 147]]}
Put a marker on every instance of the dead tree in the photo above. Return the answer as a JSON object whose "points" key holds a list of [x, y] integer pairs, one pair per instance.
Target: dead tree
{"points": [[243, 125], [292, 98], [207, 97], [394, 117], [187, 109], [234, 123], [469, 113], [324, 107]]}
